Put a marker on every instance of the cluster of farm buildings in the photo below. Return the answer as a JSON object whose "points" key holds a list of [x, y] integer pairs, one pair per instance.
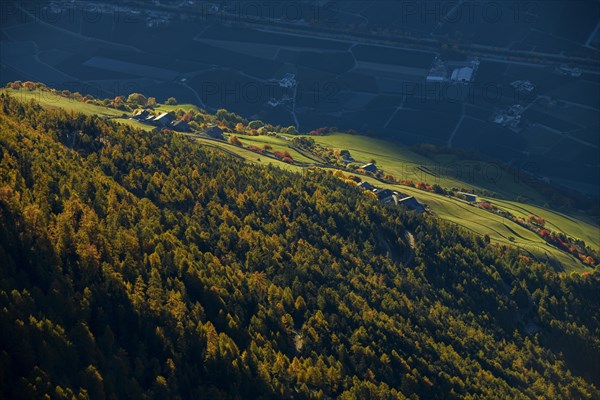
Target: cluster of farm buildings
{"points": [[387, 196], [168, 120]]}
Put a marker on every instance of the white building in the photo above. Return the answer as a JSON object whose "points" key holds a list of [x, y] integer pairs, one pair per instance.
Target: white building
{"points": [[464, 74]]}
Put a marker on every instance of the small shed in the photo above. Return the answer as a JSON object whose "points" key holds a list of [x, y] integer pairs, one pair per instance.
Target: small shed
{"points": [[471, 198]]}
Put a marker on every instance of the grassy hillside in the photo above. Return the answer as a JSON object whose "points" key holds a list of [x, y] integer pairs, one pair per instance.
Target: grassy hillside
{"points": [[403, 163], [47, 99], [578, 226], [500, 230]]}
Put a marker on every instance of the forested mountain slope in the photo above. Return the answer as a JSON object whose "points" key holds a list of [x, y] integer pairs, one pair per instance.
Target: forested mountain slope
{"points": [[141, 265]]}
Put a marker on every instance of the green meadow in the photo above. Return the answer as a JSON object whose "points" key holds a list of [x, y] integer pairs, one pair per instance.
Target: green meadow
{"points": [[447, 171], [47, 99]]}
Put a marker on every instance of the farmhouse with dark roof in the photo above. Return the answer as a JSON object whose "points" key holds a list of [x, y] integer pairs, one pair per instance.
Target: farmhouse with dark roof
{"points": [[180, 126], [370, 167], [141, 115], [384, 195], [412, 204], [163, 119], [365, 185], [214, 132]]}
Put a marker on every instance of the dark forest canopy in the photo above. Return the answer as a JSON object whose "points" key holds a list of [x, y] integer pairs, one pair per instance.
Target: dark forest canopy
{"points": [[142, 265]]}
